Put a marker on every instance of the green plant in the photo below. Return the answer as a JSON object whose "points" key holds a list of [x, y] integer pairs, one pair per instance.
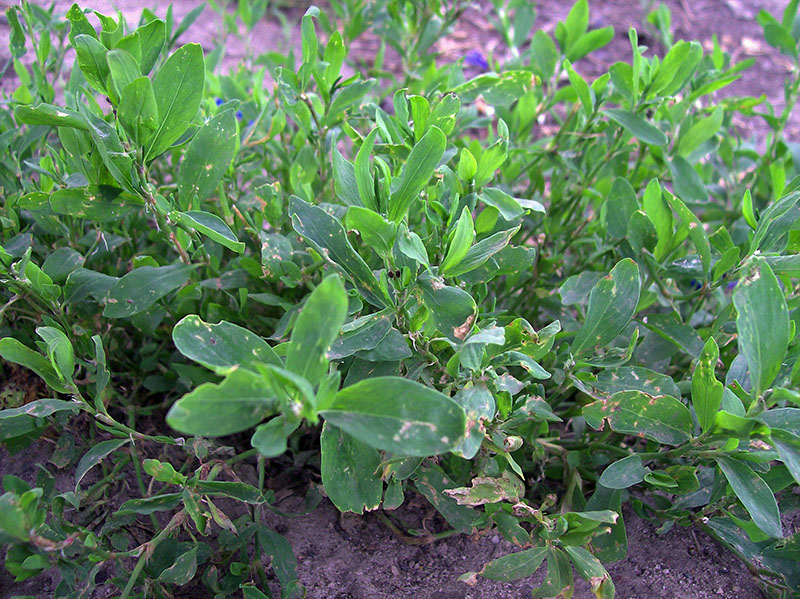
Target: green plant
{"points": [[412, 278]]}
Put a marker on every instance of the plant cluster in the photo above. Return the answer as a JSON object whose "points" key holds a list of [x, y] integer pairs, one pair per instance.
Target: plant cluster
{"points": [[527, 296]]}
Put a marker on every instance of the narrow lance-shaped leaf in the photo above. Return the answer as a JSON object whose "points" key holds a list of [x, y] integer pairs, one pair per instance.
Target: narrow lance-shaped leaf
{"points": [[637, 126], [462, 240], [96, 455], [514, 566], [14, 351], [612, 304], [755, 495], [209, 225], [418, 169], [696, 231], [316, 328], [327, 235], [706, 389], [762, 323]]}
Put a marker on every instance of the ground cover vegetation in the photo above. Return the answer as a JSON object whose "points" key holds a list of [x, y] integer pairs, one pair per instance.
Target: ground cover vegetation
{"points": [[400, 282]]}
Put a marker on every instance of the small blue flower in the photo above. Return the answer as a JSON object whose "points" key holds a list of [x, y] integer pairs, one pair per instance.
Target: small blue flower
{"points": [[218, 101], [250, 123], [475, 59], [695, 284], [731, 285], [239, 114]]}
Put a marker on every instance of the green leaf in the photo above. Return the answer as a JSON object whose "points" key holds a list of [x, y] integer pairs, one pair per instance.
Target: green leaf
{"points": [[97, 203], [623, 473], [431, 481], [142, 287], [661, 418], [328, 237], [589, 42], [452, 310], [207, 158], [40, 408], [239, 402], [138, 110], [152, 38], [344, 179], [762, 323], [462, 240], [178, 88], [376, 232], [95, 455], [347, 96], [418, 169], [637, 126], [123, 67], [411, 246], [612, 304], [509, 208], [707, 391], [364, 181], [91, 57], [696, 231], [316, 328], [467, 165], [270, 438], [183, 569], [700, 132], [117, 159], [670, 327], [398, 415], [59, 350], [335, 54], [491, 159], [479, 253], [754, 494], [591, 569], [630, 378], [788, 446], [514, 566], [747, 209], [47, 114], [14, 351], [620, 206], [364, 333], [209, 225], [236, 490], [658, 211], [349, 471], [149, 505], [687, 183], [221, 347]]}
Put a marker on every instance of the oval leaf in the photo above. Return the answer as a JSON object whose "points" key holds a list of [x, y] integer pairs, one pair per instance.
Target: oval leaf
{"points": [[221, 346], [236, 404], [398, 415]]}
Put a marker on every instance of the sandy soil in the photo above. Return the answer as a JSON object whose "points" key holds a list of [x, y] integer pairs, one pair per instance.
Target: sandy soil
{"points": [[357, 557]]}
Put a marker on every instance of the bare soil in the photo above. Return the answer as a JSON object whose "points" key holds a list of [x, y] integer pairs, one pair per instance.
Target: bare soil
{"points": [[357, 557]]}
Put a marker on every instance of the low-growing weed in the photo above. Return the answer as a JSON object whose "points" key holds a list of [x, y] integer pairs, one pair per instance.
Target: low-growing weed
{"points": [[528, 296]]}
